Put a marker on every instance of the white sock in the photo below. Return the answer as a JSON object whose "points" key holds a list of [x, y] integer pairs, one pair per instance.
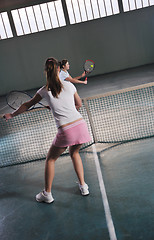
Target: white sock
{"points": [[83, 185], [47, 193]]}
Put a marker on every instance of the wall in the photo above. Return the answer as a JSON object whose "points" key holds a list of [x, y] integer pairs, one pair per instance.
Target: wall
{"points": [[116, 42]]}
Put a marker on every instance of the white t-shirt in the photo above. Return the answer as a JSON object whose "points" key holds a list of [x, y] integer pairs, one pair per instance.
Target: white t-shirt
{"points": [[63, 75], [63, 107]]}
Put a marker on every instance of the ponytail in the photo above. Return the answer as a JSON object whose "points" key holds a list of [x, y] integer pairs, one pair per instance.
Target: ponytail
{"points": [[53, 82], [63, 63]]}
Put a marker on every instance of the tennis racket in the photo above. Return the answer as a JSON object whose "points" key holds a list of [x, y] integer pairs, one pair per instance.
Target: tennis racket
{"points": [[14, 100], [88, 66]]}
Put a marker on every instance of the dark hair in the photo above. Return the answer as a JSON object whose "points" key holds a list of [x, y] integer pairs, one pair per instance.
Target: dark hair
{"points": [[53, 82], [63, 62]]}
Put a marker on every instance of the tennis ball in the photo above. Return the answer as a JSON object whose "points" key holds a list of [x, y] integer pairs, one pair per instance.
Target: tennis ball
{"points": [[91, 65]]}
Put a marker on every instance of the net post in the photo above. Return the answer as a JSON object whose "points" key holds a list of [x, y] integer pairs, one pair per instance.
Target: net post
{"points": [[90, 120]]}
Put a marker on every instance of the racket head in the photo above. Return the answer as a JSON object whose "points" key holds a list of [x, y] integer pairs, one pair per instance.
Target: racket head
{"points": [[89, 66], [14, 99]]}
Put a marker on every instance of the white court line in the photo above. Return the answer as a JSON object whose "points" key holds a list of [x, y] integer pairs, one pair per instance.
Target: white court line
{"points": [[109, 221]]}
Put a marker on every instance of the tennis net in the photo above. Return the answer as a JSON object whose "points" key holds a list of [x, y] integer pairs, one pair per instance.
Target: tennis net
{"points": [[120, 116]]}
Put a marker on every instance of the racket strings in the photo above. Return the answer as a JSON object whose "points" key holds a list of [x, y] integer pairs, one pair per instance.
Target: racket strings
{"points": [[16, 98], [89, 66]]}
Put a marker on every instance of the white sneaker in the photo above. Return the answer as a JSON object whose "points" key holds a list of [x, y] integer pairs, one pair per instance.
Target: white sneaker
{"points": [[84, 189], [41, 197]]}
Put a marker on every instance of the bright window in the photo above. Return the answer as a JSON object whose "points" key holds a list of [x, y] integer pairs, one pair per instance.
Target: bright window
{"points": [[129, 5], [38, 17], [84, 10], [5, 28]]}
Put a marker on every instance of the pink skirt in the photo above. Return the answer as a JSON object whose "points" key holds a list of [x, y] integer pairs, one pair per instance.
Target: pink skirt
{"points": [[73, 134]]}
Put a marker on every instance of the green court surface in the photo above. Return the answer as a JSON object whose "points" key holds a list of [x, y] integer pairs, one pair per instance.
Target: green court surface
{"points": [[127, 171]]}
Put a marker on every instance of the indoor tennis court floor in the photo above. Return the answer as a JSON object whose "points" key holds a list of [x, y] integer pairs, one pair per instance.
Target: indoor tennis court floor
{"points": [[120, 179], [127, 172]]}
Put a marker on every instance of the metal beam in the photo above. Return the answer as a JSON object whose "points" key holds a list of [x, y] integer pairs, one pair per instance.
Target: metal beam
{"points": [[120, 6], [65, 12], [12, 24]]}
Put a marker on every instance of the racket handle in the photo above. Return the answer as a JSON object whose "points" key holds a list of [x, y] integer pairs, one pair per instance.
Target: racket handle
{"points": [[86, 79]]}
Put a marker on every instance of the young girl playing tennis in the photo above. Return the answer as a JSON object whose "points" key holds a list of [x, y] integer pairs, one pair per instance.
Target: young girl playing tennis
{"points": [[64, 75], [64, 102]]}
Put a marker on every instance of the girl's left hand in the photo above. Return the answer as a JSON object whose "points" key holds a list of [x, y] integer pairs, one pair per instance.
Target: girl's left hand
{"points": [[85, 81], [83, 74]]}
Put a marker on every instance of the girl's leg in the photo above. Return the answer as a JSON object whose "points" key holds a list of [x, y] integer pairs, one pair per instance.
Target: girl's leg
{"points": [[53, 154], [77, 162]]}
